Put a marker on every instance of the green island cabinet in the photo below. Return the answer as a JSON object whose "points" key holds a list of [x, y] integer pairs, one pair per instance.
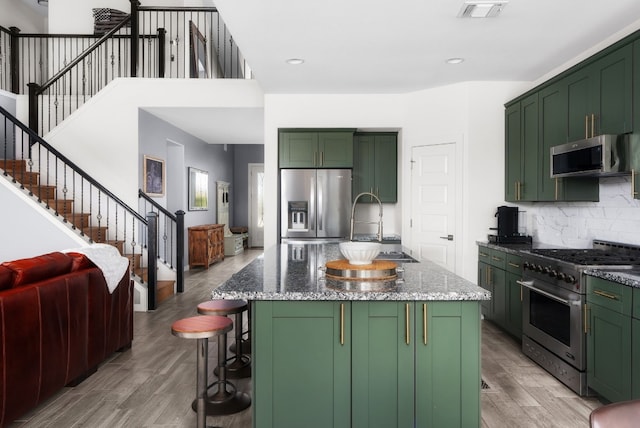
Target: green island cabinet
{"points": [[375, 166], [635, 345], [366, 364], [635, 144], [609, 339], [499, 273], [316, 148]]}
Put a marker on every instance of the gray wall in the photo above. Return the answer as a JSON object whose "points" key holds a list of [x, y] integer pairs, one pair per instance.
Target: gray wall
{"points": [[162, 140], [244, 155]]}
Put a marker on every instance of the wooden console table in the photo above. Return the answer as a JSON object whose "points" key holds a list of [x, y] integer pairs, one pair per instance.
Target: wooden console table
{"points": [[206, 245]]}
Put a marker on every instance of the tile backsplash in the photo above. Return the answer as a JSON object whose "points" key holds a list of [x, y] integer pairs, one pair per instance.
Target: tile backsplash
{"points": [[616, 217]]}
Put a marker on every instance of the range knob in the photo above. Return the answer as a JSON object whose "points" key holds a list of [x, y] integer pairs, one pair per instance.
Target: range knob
{"points": [[570, 279], [526, 265], [538, 268], [561, 276], [553, 273], [546, 270]]}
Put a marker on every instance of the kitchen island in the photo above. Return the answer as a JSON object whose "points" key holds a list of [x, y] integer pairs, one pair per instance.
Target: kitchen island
{"points": [[403, 353]]}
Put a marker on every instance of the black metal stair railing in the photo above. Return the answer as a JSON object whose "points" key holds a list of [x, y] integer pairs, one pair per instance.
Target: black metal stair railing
{"points": [[78, 200], [170, 235]]}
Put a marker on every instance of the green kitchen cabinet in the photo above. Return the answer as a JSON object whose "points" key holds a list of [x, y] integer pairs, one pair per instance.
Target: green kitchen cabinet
{"points": [[492, 277], [600, 97], [513, 152], [316, 149], [375, 166], [447, 364], [383, 354], [521, 150], [301, 364], [635, 345], [366, 364], [635, 142], [609, 357], [513, 298], [553, 131]]}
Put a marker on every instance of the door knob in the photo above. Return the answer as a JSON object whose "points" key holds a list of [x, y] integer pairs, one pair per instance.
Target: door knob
{"points": [[448, 237]]}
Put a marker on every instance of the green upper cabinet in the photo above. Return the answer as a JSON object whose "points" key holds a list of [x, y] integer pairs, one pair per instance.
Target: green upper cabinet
{"points": [[635, 144], [513, 152], [521, 150], [375, 166], [600, 99], [316, 149], [553, 131]]}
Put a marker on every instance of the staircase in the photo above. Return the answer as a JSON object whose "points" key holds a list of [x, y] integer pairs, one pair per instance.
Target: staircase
{"points": [[18, 171]]}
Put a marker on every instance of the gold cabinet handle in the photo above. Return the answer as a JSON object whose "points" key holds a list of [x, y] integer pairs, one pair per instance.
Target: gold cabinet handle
{"points": [[424, 323], [497, 259], [489, 276], [586, 126], [521, 292], [321, 158], [633, 184], [315, 158], [556, 197], [481, 254], [605, 294], [514, 265], [342, 323], [406, 316], [593, 125]]}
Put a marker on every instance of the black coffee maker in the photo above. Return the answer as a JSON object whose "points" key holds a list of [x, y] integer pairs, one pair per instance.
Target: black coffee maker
{"points": [[507, 230]]}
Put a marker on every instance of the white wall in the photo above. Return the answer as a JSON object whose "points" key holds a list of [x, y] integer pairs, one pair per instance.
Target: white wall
{"points": [[472, 114], [29, 18], [102, 136], [27, 230], [323, 111]]}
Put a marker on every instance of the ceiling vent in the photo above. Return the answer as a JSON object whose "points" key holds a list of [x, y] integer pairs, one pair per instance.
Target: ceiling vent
{"points": [[481, 9]]}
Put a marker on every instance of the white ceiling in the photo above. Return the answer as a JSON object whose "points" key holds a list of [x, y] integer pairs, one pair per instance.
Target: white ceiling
{"points": [[374, 46]]}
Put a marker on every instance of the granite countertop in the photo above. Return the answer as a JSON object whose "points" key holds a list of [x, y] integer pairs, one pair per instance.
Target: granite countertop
{"points": [[630, 277], [292, 272]]}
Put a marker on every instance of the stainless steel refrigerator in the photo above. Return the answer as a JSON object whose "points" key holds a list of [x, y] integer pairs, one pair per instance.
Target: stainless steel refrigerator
{"points": [[315, 203]]}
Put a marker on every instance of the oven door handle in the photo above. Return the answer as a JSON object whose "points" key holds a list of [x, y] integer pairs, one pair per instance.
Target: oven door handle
{"points": [[529, 285]]}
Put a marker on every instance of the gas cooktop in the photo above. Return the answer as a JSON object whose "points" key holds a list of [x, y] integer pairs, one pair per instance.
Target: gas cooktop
{"points": [[592, 256]]}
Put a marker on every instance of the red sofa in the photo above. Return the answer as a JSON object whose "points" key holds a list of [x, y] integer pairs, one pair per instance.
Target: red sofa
{"points": [[58, 322]]}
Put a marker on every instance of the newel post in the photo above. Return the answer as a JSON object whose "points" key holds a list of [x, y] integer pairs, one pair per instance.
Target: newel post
{"points": [[180, 251], [161, 51], [34, 88], [135, 36], [14, 60], [152, 260]]}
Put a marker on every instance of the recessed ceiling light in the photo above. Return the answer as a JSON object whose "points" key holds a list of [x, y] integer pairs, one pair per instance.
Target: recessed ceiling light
{"points": [[455, 60], [295, 61], [481, 8]]}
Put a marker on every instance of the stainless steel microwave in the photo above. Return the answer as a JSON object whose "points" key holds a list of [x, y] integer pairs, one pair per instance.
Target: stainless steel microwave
{"points": [[604, 155]]}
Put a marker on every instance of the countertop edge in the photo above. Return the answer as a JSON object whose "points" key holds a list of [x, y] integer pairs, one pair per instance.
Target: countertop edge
{"points": [[629, 278], [352, 296]]}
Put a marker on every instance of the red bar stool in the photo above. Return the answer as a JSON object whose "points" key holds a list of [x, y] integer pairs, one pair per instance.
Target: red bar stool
{"points": [[202, 328], [240, 366]]}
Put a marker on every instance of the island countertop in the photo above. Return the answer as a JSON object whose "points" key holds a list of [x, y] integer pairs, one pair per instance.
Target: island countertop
{"points": [[293, 271]]}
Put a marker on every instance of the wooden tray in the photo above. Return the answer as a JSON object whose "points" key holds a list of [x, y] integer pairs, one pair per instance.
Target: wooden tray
{"points": [[377, 270]]}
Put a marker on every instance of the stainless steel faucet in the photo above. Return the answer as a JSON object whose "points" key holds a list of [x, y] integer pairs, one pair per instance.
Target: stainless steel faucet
{"points": [[353, 211]]}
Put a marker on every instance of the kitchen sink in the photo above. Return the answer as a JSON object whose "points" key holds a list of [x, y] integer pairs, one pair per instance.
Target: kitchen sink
{"points": [[396, 256]]}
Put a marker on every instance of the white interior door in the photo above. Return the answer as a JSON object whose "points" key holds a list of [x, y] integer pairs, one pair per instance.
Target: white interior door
{"points": [[433, 211], [256, 205]]}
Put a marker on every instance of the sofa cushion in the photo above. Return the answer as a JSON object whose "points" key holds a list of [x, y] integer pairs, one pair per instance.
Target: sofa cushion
{"points": [[6, 278], [80, 261], [34, 269]]}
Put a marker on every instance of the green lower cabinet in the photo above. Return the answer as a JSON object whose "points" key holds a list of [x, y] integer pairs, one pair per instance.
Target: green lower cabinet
{"points": [[447, 364], [609, 353], [484, 270], [382, 370], [366, 364], [513, 318], [301, 370]]}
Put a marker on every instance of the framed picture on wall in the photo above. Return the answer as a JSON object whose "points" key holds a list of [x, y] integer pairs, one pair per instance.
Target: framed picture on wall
{"points": [[154, 176], [198, 189]]}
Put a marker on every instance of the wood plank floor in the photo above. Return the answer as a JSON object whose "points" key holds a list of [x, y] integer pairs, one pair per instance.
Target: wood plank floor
{"points": [[153, 383]]}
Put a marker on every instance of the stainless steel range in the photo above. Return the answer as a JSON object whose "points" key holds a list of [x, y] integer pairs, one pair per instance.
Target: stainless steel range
{"points": [[553, 305]]}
